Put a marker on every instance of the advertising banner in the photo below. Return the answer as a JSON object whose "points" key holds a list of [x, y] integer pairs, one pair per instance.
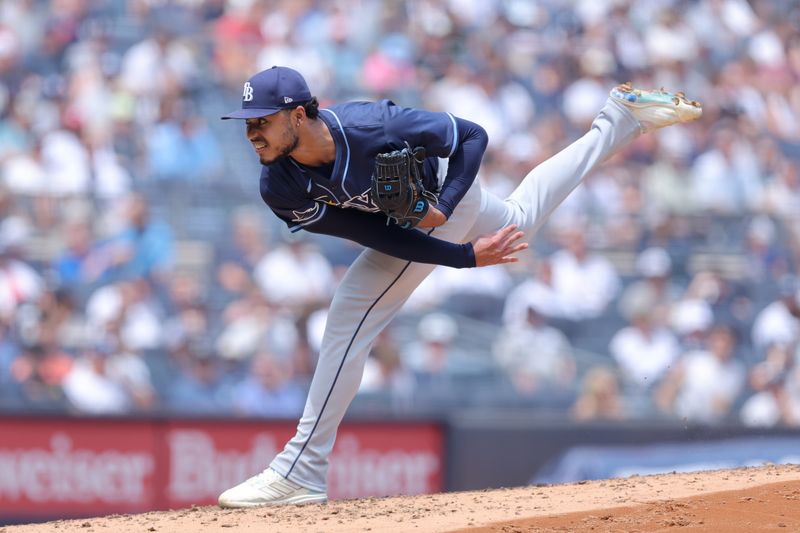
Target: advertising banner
{"points": [[90, 467], [75, 467], [367, 460]]}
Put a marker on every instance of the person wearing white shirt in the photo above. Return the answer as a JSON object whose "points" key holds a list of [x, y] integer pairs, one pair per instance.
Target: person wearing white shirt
{"points": [[536, 291], [643, 350], [704, 385], [585, 282], [779, 322], [101, 382], [295, 275]]}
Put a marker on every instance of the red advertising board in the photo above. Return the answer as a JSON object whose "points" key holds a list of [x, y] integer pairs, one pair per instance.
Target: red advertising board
{"points": [[74, 467], [368, 459], [79, 467]]}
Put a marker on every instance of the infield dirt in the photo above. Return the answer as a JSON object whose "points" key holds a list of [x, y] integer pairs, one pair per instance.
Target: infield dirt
{"points": [[723, 501]]}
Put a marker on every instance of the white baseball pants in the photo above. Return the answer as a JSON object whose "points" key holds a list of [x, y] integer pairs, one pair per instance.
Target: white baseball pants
{"points": [[376, 286]]}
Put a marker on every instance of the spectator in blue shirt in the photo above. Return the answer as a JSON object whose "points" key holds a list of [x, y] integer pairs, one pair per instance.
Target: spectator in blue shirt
{"points": [[270, 390]]}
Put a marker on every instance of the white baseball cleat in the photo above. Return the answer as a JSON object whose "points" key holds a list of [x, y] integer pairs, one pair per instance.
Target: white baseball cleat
{"points": [[269, 488], [656, 109]]}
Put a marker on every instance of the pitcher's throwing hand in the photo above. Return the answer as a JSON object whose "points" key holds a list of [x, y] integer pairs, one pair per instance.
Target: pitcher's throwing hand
{"points": [[499, 247]]}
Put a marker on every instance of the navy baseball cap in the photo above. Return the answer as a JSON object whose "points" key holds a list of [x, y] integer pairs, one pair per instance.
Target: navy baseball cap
{"points": [[271, 90]]}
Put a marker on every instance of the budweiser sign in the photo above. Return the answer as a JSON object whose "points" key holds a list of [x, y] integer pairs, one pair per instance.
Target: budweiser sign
{"points": [[53, 468], [367, 460], [199, 470], [63, 467], [358, 470], [61, 472]]}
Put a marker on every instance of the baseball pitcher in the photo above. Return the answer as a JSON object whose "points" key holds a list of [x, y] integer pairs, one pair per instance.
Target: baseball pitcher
{"points": [[401, 182]]}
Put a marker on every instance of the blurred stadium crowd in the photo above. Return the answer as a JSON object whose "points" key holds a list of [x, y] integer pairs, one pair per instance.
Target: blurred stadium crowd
{"points": [[139, 272]]}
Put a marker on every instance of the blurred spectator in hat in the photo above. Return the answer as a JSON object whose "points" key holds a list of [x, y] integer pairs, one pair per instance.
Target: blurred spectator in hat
{"points": [[535, 356], [599, 396], [779, 322], [644, 350], [704, 384], [269, 390]]}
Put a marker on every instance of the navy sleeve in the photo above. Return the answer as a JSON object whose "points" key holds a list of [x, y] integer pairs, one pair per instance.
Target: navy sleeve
{"points": [[464, 165], [412, 245], [443, 135]]}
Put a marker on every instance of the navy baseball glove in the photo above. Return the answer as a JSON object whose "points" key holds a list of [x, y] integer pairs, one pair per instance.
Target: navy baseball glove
{"points": [[397, 187]]}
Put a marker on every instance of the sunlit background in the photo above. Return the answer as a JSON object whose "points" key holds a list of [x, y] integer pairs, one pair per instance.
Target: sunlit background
{"points": [[156, 318]]}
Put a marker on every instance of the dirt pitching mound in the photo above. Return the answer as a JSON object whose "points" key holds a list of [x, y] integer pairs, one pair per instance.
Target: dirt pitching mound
{"points": [[742, 500]]}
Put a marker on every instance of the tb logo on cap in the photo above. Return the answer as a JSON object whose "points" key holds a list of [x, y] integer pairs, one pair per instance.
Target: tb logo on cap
{"points": [[247, 96]]}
